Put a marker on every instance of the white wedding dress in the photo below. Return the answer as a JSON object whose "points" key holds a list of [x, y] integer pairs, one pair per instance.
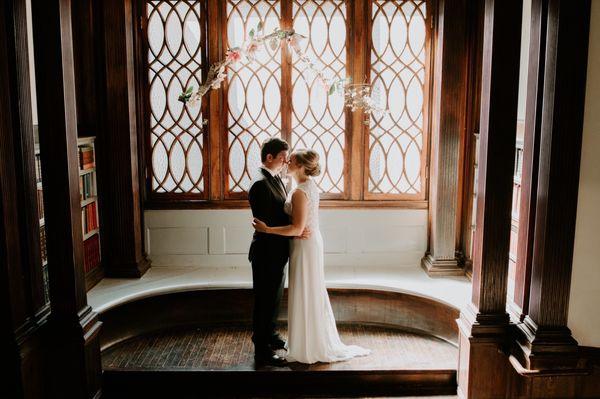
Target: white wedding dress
{"points": [[312, 333]]}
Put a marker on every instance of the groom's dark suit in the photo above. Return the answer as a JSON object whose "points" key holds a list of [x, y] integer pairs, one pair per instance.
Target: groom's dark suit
{"points": [[268, 254]]}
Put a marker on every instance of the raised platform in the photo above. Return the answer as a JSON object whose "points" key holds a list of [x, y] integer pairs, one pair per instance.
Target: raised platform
{"points": [[218, 361], [178, 332]]}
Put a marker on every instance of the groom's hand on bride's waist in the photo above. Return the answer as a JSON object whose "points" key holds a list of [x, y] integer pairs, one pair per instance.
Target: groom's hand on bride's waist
{"points": [[305, 234]]}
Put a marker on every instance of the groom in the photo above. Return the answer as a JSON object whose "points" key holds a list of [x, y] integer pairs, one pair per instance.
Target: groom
{"points": [[268, 253]]}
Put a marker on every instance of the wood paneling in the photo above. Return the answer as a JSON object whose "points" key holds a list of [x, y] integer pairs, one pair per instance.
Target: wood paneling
{"points": [[500, 76], [121, 213], [469, 151], [447, 130], [74, 325], [483, 324], [23, 311], [85, 56], [548, 342], [531, 147]]}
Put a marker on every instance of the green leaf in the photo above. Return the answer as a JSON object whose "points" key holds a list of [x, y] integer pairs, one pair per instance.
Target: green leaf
{"points": [[251, 33], [331, 90], [189, 90]]}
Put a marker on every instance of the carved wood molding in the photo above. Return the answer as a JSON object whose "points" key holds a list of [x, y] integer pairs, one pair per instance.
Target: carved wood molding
{"points": [[73, 322], [447, 129], [119, 180], [484, 324], [548, 342]]}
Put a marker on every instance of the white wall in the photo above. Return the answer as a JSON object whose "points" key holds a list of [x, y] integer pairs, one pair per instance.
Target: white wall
{"points": [[221, 238], [584, 313]]}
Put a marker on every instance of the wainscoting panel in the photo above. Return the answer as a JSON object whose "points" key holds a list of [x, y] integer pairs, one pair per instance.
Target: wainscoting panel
{"points": [[179, 240], [356, 238]]}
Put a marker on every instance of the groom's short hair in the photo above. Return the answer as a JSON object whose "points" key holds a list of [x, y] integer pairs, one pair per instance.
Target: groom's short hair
{"points": [[273, 146]]}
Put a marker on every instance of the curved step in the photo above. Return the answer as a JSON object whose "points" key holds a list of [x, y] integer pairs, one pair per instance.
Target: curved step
{"points": [[217, 361], [225, 306]]}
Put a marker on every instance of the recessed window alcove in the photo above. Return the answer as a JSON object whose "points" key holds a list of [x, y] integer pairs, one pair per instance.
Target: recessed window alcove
{"points": [[125, 215]]}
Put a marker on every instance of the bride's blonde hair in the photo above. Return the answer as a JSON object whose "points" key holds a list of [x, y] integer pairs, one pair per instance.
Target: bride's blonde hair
{"points": [[310, 160]]}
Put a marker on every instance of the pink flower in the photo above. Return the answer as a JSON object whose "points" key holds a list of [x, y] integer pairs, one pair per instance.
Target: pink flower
{"points": [[252, 48], [234, 55]]}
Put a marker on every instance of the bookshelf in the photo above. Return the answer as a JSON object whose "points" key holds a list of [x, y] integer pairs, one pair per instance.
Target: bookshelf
{"points": [[90, 226], [40, 207]]}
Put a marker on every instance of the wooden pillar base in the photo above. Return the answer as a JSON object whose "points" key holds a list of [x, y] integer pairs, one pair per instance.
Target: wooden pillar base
{"points": [[129, 269], [482, 346], [546, 348], [441, 267], [78, 343]]}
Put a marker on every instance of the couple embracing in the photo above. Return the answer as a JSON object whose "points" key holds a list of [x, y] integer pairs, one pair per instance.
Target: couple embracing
{"points": [[287, 228]]}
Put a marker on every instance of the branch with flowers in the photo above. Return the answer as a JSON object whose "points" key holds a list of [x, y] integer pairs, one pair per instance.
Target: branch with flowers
{"points": [[356, 96]]}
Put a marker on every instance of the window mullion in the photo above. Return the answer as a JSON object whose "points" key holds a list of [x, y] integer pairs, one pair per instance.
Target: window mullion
{"points": [[286, 74], [358, 67], [215, 114]]}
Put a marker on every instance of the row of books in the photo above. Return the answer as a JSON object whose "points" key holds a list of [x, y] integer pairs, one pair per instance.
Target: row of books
{"points": [[91, 253], [40, 202], [87, 188], [38, 168], [89, 218], [86, 157], [43, 249], [46, 283]]}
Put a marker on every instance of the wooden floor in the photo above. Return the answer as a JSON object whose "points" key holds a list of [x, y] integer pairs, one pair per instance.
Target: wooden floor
{"points": [[230, 348]]}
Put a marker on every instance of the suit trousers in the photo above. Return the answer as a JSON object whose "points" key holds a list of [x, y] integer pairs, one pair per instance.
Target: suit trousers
{"points": [[268, 280]]}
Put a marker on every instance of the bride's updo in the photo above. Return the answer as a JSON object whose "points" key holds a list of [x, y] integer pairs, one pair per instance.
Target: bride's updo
{"points": [[310, 160]]}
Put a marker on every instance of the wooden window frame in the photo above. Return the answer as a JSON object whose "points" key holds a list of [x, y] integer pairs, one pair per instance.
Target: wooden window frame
{"points": [[215, 170]]}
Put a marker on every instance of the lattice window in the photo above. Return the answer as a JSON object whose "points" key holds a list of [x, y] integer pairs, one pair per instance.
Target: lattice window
{"points": [[398, 65], [254, 91], [274, 95], [176, 54], [318, 120]]}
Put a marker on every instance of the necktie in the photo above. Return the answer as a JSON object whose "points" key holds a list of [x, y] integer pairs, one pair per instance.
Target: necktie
{"points": [[281, 183]]}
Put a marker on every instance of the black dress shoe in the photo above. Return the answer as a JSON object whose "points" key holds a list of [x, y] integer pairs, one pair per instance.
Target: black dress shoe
{"points": [[268, 357], [277, 343]]}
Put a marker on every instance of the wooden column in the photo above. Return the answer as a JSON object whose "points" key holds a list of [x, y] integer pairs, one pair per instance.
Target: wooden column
{"points": [[483, 325], [547, 341], [531, 145], [448, 125], [122, 247], [23, 310], [469, 144], [74, 325]]}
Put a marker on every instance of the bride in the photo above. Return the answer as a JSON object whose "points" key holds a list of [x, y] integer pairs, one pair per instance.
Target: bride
{"points": [[312, 333]]}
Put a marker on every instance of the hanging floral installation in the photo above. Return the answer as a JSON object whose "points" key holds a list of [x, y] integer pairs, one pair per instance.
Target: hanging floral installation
{"points": [[357, 96]]}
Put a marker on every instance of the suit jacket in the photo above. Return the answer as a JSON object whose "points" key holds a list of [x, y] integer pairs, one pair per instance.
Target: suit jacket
{"points": [[267, 197]]}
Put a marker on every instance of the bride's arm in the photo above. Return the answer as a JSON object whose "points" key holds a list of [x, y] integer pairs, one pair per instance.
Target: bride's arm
{"points": [[299, 216]]}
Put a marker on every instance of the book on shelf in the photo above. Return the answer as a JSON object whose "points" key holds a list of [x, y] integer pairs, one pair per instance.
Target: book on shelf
{"points": [[86, 157], [89, 217], [43, 249], [38, 168], [87, 188], [91, 253], [40, 202]]}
